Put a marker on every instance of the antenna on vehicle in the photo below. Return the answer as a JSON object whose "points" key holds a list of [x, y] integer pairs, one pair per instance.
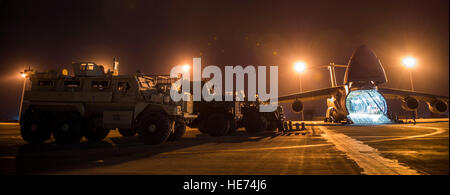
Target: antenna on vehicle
{"points": [[115, 67]]}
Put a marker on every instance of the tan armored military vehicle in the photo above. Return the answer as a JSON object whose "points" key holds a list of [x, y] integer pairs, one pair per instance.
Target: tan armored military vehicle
{"points": [[92, 102]]}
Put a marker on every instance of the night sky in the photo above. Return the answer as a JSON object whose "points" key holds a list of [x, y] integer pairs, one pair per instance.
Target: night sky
{"points": [[153, 36]]}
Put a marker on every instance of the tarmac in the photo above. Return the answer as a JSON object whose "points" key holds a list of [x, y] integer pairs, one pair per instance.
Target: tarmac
{"points": [[322, 149]]}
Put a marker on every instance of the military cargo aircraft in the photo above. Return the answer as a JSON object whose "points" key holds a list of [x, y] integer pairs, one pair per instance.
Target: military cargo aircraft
{"points": [[360, 99]]}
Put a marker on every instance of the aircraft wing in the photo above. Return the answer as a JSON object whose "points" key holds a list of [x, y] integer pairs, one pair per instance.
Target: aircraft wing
{"points": [[400, 93], [310, 95]]}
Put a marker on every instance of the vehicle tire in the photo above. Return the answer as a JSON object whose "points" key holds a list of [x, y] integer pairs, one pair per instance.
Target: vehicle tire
{"points": [[154, 128], [179, 130], [255, 123], [68, 128], [127, 132], [202, 128], [35, 128], [233, 126], [272, 125], [94, 132], [333, 120], [201, 121], [217, 125]]}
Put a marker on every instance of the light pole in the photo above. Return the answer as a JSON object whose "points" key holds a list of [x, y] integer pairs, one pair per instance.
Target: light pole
{"points": [[300, 67], [410, 63], [410, 79]]}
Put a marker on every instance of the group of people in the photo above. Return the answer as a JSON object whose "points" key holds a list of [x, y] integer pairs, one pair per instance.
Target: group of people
{"points": [[394, 117]]}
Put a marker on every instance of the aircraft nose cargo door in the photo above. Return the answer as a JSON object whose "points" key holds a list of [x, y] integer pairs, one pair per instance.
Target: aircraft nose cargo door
{"points": [[366, 107]]}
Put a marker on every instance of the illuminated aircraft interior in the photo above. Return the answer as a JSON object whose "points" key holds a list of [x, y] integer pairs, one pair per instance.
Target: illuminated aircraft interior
{"points": [[366, 107]]}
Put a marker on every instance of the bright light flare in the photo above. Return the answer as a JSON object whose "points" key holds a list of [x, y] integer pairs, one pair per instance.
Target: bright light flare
{"points": [[300, 67], [409, 62], [23, 75], [186, 67]]}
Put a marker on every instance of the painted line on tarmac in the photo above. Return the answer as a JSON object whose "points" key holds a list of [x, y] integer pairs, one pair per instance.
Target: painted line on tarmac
{"points": [[436, 132], [12, 123], [248, 149], [365, 156]]}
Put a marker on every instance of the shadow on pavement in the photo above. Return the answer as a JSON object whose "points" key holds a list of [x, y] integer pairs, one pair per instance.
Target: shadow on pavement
{"points": [[53, 158]]}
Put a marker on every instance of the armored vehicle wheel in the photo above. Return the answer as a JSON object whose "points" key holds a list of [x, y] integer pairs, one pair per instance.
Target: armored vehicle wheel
{"points": [[94, 132], [217, 125], [68, 128], [272, 125], [202, 127], [127, 132], [154, 128], [233, 126], [35, 128], [179, 130], [255, 123]]}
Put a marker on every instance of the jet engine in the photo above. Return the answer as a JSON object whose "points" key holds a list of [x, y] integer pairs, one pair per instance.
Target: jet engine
{"points": [[410, 104], [297, 106], [437, 106]]}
